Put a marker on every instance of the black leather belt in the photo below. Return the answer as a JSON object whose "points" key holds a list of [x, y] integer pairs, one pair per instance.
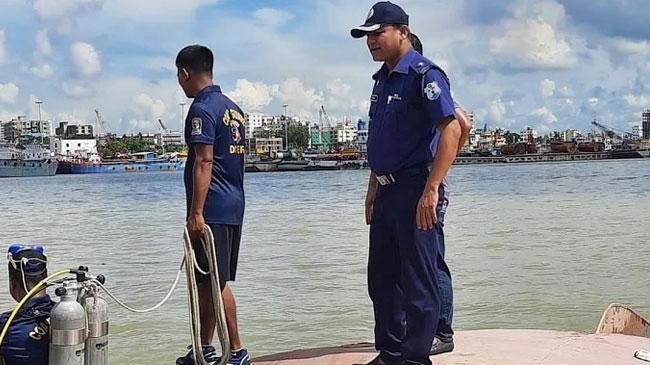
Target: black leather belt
{"points": [[394, 177]]}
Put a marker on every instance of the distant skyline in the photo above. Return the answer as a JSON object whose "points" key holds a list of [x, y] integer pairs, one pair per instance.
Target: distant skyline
{"points": [[551, 64]]}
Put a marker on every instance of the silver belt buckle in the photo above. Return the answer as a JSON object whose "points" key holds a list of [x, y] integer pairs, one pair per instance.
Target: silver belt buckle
{"points": [[385, 179]]}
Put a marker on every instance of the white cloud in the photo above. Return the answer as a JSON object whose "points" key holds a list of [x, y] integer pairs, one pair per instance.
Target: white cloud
{"points": [[547, 87], [86, 58], [43, 45], [157, 12], [43, 70], [77, 89], [272, 17], [338, 88], [56, 9], [8, 93], [144, 113], [302, 100], [3, 53], [532, 43], [160, 64], [631, 47], [637, 101], [253, 96], [497, 111], [545, 115], [550, 11], [531, 39], [145, 106]]}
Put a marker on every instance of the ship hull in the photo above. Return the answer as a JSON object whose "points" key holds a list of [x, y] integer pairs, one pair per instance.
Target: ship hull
{"points": [[118, 167], [15, 168]]}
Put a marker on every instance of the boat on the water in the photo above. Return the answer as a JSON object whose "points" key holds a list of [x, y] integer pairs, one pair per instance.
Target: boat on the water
{"points": [[137, 162], [33, 160], [621, 335]]}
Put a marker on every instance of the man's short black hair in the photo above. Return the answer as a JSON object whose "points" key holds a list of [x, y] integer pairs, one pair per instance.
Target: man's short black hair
{"points": [[195, 58], [415, 42]]}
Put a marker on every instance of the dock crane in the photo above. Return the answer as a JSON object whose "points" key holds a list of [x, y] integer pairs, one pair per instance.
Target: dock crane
{"points": [[322, 113], [612, 132]]}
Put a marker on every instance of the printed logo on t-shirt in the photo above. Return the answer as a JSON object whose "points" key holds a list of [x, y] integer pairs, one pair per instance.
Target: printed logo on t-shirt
{"points": [[197, 126]]}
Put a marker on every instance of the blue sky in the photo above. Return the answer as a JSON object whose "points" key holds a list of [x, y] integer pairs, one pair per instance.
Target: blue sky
{"points": [[552, 64]]}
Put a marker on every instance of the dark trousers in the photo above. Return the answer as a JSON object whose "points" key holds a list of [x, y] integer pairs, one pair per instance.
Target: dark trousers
{"points": [[403, 276], [444, 333]]}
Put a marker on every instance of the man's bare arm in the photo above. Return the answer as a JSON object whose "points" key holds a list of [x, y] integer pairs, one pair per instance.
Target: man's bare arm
{"points": [[201, 176], [465, 127], [450, 134]]}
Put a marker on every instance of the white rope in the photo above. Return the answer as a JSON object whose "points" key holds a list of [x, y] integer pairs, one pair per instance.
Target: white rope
{"points": [[163, 301]]}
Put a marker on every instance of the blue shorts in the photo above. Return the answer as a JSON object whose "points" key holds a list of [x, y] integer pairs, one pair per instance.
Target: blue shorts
{"points": [[227, 239]]}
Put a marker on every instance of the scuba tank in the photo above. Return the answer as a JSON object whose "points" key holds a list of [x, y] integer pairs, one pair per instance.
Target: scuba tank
{"points": [[96, 310], [67, 327]]}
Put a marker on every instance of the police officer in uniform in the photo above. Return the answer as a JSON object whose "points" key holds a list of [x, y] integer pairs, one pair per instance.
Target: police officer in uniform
{"points": [[28, 339], [214, 185], [444, 339], [412, 142]]}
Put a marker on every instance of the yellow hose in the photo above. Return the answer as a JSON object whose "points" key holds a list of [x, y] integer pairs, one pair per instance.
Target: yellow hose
{"points": [[40, 286]]}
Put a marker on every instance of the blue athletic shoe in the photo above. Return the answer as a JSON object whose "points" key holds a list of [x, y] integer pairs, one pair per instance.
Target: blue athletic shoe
{"points": [[239, 358], [209, 354]]}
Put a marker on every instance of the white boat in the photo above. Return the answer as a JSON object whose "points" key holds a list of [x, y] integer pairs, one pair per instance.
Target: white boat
{"points": [[33, 160]]}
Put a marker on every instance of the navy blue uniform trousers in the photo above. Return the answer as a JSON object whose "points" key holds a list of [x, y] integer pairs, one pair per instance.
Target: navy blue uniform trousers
{"points": [[403, 276]]}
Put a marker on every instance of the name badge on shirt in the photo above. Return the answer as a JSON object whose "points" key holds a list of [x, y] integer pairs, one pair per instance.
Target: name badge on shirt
{"points": [[197, 126], [393, 97]]}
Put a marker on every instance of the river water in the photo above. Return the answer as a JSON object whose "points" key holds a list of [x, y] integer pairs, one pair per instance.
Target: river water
{"points": [[529, 245]]}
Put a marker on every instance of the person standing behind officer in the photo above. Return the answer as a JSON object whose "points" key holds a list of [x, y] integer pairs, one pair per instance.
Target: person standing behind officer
{"points": [[411, 113], [214, 187], [444, 338], [28, 340]]}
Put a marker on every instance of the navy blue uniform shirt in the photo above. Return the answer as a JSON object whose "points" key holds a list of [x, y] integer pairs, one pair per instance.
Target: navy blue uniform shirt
{"points": [[215, 120], [27, 342], [405, 110]]}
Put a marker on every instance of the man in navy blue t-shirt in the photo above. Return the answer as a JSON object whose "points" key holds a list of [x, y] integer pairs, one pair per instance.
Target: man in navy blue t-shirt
{"points": [[214, 186], [27, 341]]}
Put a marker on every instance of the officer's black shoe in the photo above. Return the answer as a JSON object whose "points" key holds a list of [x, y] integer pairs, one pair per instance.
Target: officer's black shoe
{"points": [[379, 360], [209, 354], [440, 347]]}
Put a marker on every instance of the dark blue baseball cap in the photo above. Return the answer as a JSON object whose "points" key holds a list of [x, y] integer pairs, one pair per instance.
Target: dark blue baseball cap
{"points": [[383, 12]]}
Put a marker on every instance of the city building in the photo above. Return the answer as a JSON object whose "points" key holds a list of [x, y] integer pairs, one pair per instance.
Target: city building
{"points": [[344, 133], [73, 131], [169, 138], [361, 139], [570, 135], [145, 137], [526, 132], [645, 123], [27, 127], [268, 145], [320, 138], [74, 147]]}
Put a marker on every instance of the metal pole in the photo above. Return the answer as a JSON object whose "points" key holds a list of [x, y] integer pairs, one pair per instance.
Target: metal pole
{"points": [[182, 121], [40, 121]]}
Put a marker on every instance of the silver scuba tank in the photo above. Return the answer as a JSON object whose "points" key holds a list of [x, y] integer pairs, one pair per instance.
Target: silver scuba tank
{"points": [[67, 327], [97, 313]]}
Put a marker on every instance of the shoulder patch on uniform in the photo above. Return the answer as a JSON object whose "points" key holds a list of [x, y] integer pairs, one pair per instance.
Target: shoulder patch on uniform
{"points": [[197, 126], [432, 91]]}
